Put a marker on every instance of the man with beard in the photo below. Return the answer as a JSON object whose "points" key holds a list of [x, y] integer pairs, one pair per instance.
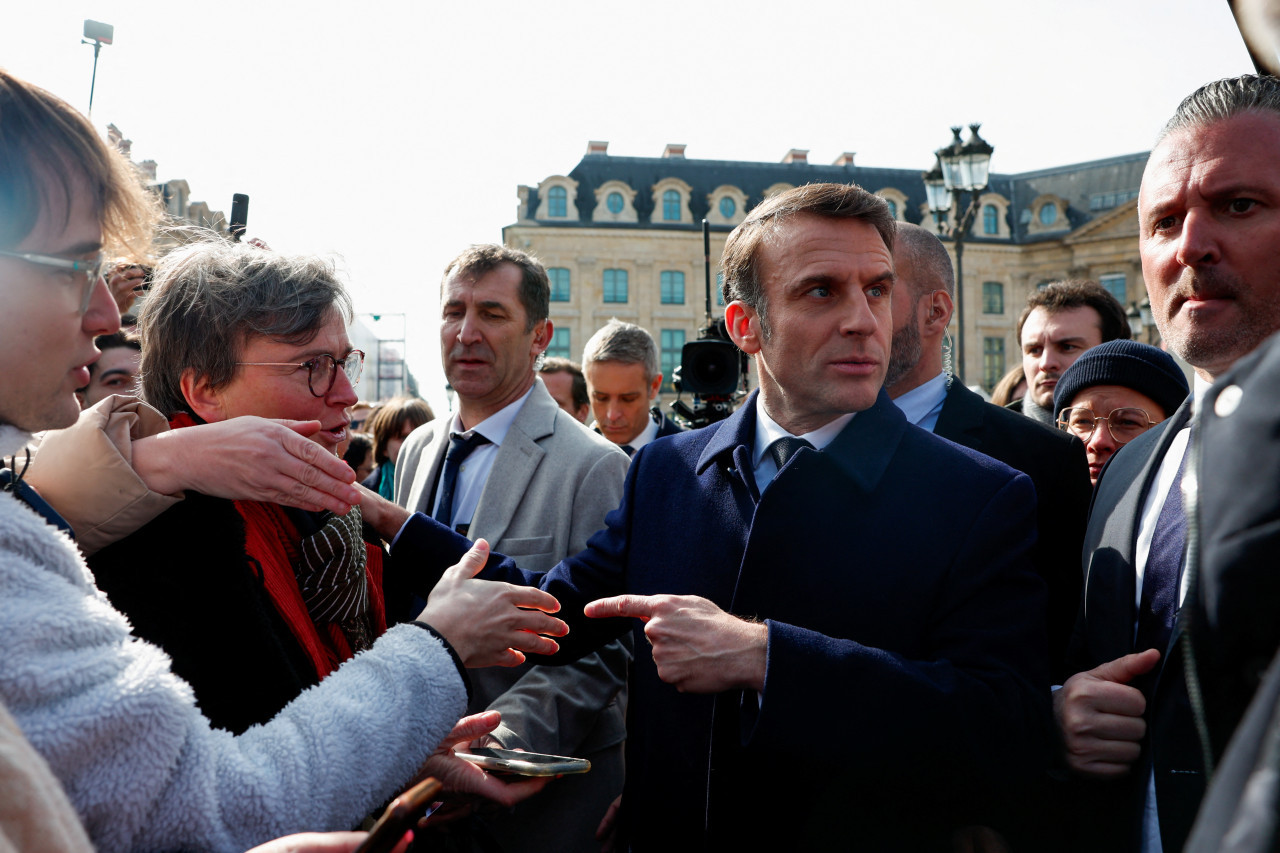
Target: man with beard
{"points": [[933, 399], [1209, 220]]}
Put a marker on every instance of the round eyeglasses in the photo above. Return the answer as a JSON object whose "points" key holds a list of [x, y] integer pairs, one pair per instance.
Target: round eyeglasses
{"points": [[1124, 424], [81, 275], [322, 371]]}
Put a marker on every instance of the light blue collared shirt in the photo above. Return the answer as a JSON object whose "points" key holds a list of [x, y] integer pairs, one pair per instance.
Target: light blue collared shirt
{"points": [[474, 471], [923, 404]]}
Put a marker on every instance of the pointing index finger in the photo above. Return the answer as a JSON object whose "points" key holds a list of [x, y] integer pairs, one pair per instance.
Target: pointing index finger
{"points": [[637, 606]]}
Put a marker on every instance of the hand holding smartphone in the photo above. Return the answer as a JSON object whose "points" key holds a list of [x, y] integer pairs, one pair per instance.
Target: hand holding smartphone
{"points": [[524, 763]]}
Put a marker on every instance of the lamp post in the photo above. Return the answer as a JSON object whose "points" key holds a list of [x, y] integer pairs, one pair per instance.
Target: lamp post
{"points": [[959, 167], [96, 34]]}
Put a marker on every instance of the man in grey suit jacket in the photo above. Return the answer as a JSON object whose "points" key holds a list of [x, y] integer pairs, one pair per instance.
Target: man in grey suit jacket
{"points": [[536, 484]]}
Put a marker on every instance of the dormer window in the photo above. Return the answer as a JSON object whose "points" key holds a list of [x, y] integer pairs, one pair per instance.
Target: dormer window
{"points": [[557, 198], [671, 206], [558, 202], [615, 202], [671, 202]]}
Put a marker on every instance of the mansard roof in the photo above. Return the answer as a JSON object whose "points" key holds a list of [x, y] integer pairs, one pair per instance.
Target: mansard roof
{"points": [[1089, 189]]}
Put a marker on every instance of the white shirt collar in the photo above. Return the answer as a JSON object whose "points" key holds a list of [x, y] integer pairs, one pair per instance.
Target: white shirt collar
{"points": [[648, 434], [1199, 387], [768, 431], [494, 427]]}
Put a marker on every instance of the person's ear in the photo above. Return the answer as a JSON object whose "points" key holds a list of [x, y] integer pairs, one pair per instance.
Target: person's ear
{"points": [[204, 401], [542, 336], [939, 309], [655, 385], [743, 325]]}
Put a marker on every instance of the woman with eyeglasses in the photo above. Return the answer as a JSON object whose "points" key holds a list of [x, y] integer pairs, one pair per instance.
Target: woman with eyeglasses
{"points": [[1114, 393]]}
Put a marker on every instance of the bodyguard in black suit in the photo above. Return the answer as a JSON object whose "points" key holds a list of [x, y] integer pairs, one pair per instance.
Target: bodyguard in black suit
{"points": [[1209, 236], [935, 401]]}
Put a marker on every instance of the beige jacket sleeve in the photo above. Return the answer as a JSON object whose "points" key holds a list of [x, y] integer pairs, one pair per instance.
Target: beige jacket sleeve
{"points": [[86, 473], [34, 812]]}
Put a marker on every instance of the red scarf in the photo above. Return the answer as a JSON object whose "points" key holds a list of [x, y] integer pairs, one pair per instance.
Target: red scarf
{"points": [[271, 539]]}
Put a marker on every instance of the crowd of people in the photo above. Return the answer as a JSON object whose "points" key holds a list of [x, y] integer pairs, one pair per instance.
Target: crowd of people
{"points": [[869, 609]]}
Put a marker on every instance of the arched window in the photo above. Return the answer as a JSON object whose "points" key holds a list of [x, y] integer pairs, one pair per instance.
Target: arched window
{"points": [[614, 202], [990, 219], [728, 207], [557, 202], [1048, 214], [893, 207], [671, 206]]}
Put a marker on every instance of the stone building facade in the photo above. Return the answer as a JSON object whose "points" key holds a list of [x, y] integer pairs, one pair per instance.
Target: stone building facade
{"points": [[621, 237]]}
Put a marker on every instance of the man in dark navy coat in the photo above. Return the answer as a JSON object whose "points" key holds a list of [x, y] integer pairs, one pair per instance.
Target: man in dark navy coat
{"points": [[935, 400], [1209, 237], [843, 638]]}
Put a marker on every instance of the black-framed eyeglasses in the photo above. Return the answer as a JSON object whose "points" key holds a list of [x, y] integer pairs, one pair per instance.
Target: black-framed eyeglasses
{"points": [[83, 274], [1124, 424], [322, 371]]}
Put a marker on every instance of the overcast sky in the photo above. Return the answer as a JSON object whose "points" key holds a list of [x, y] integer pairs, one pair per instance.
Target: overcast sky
{"points": [[392, 134]]}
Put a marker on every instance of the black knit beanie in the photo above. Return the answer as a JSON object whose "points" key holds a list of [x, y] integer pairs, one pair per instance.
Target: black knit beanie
{"points": [[1128, 364]]}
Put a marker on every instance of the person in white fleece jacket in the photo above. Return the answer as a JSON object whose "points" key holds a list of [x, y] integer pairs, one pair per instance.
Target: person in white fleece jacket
{"points": [[140, 764]]}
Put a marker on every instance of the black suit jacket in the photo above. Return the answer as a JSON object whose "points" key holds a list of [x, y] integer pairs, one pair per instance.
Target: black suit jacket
{"points": [[1056, 464], [666, 426], [1105, 631]]}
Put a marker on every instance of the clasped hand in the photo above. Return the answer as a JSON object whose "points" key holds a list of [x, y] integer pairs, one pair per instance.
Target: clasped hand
{"points": [[490, 623]]}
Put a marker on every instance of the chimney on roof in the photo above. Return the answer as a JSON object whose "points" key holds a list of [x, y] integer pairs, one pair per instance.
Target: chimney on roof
{"points": [[673, 151], [597, 147], [797, 155], [845, 159]]}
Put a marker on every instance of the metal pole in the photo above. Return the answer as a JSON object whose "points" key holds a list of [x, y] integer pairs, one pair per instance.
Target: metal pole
{"points": [[960, 306], [97, 46]]}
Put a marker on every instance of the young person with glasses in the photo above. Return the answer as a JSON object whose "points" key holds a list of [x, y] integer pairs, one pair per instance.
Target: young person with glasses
{"points": [[1114, 393]]}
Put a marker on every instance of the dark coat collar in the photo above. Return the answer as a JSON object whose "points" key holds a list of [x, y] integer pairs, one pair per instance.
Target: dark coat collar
{"points": [[862, 450]]}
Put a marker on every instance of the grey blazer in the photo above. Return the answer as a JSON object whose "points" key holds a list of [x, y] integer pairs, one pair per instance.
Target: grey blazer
{"points": [[551, 485]]}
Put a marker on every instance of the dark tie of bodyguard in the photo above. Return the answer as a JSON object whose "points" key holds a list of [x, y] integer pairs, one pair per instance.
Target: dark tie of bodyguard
{"points": [[1162, 577], [459, 449], [784, 448]]}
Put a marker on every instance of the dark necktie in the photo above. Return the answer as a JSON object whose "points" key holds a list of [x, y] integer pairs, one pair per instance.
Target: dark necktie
{"points": [[628, 449], [459, 449], [784, 448], [1162, 577]]}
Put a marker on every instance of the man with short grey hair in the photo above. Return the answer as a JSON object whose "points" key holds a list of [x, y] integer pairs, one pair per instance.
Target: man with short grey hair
{"points": [[512, 467], [621, 365]]}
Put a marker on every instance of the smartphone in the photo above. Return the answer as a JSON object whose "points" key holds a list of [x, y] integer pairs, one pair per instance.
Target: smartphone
{"points": [[524, 763], [400, 817]]}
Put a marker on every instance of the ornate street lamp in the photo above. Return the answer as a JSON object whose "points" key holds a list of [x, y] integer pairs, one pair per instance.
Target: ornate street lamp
{"points": [[959, 167]]}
